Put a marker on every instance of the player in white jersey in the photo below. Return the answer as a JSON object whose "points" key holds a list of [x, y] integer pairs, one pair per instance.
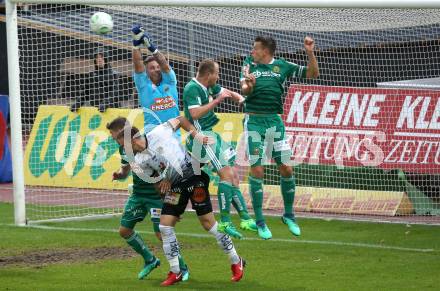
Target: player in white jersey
{"points": [[158, 157]]}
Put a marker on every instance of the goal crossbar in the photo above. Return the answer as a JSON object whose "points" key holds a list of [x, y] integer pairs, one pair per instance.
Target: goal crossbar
{"points": [[255, 3]]}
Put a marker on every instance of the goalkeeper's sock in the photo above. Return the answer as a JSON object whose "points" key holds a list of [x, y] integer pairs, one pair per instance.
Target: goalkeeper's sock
{"points": [[239, 203], [170, 247], [288, 192], [256, 189], [224, 195], [224, 241], [137, 244]]}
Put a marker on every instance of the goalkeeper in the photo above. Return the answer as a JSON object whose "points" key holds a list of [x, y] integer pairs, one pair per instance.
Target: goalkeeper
{"points": [[143, 199], [155, 82], [262, 80], [199, 104]]}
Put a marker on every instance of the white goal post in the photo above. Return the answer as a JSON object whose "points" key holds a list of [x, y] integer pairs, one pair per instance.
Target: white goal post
{"points": [[361, 45]]}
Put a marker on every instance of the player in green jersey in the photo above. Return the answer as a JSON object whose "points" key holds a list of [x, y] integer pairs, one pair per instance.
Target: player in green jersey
{"points": [[144, 198], [262, 82], [200, 96]]}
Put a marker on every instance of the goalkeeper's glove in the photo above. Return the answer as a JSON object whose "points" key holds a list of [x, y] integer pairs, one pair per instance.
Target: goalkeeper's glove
{"points": [[140, 37]]}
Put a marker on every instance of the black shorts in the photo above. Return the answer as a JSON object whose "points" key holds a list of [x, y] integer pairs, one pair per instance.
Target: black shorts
{"points": [[194, 189]]}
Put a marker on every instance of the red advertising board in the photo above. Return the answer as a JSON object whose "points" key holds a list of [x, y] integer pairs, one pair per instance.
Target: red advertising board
{"points": [[345, 126]]}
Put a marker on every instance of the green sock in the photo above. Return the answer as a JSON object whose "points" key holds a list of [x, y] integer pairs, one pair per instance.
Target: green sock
{"points": [[182, 264], [239, 203], [156, 222], [288, 192], [256, 189], [137, 244], [224, 195]]}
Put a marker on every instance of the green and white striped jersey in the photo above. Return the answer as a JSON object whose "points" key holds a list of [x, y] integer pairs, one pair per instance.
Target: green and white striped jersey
{"points": [[267, 95]]}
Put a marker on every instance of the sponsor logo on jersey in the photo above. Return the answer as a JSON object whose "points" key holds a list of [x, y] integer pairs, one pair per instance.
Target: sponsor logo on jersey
{"points": [[199, 194], [163, 103], [269, 74]]}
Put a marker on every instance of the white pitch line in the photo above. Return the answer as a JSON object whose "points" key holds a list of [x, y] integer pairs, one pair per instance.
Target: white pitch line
{"points": [[316, 242]]}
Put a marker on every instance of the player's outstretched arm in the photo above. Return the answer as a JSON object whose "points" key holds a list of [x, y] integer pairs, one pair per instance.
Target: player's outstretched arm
{"points": [[160, 58], [237, 97], [138, 63], [142, 39], [183, 122], [199, 112], [162, 61], [312, 67], [137, 59]]}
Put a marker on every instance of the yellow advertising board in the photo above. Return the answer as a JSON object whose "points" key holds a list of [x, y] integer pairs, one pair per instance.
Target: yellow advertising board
{"points": [[273, 199], [67, 149], [230, 126], [356, 201], [332, 200]]}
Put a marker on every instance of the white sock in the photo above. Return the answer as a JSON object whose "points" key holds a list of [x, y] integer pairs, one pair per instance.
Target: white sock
{"points": [[225, 243], [170, 247]]}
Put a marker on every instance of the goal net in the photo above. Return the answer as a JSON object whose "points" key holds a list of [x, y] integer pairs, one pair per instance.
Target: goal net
{"points": [[365, 135]]}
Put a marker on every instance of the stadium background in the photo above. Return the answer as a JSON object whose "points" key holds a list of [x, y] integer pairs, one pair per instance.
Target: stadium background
{"points": [[347, 47]]}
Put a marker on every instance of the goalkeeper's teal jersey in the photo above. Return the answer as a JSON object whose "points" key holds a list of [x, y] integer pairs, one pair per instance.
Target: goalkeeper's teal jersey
{"points": [[196, 95], [266, 96], [140, 187]]}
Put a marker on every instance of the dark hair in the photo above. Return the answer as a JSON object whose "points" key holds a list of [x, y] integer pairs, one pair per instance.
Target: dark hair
{"points": [[206, 66], [134, 132], [103, 52], [100, 51], [117, 123], [267, 42], [149, 59]]}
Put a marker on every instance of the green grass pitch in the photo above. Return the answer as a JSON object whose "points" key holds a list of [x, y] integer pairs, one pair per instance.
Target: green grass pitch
{"points": [[330, 255]]}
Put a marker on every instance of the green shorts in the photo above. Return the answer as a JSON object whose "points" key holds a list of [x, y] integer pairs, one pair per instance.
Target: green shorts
{"points": [[136, 209], [266, 139], [220, 154]]}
